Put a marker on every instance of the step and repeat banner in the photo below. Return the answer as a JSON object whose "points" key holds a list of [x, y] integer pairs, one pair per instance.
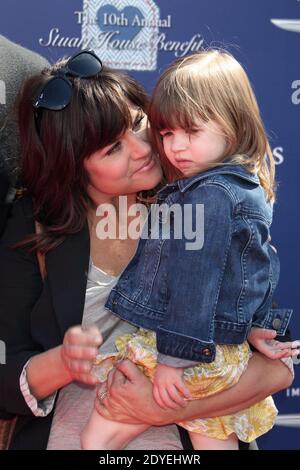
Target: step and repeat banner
{"points": [[142, 37]]}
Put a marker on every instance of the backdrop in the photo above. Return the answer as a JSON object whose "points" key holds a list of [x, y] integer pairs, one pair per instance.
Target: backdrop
{"points": [[143, 36]]}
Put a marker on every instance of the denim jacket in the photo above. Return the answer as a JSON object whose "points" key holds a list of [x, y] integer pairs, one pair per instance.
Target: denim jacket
{"points": [[196, 298]]}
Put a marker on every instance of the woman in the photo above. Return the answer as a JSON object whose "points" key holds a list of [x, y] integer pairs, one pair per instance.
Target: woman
{"points": [[84, 138]]}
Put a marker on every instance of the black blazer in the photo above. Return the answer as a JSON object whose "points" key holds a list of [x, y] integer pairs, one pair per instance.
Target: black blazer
{"points": [[34, 316]]}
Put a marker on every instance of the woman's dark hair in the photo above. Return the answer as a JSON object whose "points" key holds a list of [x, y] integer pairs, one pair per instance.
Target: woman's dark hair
{"points": [[53, 151]]}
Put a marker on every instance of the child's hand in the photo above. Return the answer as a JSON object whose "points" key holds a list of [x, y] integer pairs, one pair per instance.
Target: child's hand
{"points": [[168, 387], [263, 340]]}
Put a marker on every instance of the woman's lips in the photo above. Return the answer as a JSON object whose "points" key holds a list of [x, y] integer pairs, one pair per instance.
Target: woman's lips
{"points": [[147, 166]]}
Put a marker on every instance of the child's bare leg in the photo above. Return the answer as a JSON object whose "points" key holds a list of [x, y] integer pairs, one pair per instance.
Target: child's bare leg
{"points": [[201, 442], [102, 434]]}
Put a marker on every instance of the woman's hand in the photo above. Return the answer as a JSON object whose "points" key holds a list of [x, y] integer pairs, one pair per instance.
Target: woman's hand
{"points": [[51, 370], [129, 398], [79, 350]]}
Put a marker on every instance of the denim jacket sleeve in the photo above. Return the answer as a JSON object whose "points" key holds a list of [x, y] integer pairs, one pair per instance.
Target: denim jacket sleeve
{"points": [[195, 277], [268, 315]]}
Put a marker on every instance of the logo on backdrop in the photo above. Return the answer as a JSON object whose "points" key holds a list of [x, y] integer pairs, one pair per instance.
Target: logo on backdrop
{"points": [[295, 97], [278, 155], [129, 34], [124, 33], [290, 420], [288, 25], [292, 25]]}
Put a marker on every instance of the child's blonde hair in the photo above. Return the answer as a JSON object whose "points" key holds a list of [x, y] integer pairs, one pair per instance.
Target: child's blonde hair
{"points": [[212, 85]]}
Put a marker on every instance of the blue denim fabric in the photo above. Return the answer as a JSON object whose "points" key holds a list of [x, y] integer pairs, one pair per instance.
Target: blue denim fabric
{"points": [[195, 299]]}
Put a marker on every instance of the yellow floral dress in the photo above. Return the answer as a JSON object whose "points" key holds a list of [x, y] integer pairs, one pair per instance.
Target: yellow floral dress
{"points": [[202, 380]]}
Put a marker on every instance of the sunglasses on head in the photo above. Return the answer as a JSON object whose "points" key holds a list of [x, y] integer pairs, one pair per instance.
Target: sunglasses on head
{"points": [[56, 94]]}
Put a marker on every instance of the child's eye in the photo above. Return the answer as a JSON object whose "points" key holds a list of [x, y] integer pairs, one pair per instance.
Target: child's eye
{"points": [[115, 148], [194, 130], [164, 134]]}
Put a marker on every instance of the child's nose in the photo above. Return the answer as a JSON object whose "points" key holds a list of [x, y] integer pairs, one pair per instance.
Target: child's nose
{"points": [[179, 143]]}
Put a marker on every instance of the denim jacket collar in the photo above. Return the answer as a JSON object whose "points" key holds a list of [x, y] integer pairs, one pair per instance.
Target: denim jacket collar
{"points": [[237, 170]]}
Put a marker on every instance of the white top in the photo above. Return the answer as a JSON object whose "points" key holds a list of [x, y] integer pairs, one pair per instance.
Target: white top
{"points": [[76, 400]]}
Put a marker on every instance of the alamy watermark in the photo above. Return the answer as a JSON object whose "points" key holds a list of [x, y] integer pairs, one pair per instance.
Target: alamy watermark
{"points": [[162, 222]]}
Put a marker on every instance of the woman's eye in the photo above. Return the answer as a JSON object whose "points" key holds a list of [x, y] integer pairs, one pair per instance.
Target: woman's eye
{"points": [[115, 148], [138, 123]]}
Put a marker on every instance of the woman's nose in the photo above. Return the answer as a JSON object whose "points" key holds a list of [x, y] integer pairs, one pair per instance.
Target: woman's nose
{"points": [[140, 146]]}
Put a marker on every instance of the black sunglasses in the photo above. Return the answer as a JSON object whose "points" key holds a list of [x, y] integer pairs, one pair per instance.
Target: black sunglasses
{"points": [[56, 94]]}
